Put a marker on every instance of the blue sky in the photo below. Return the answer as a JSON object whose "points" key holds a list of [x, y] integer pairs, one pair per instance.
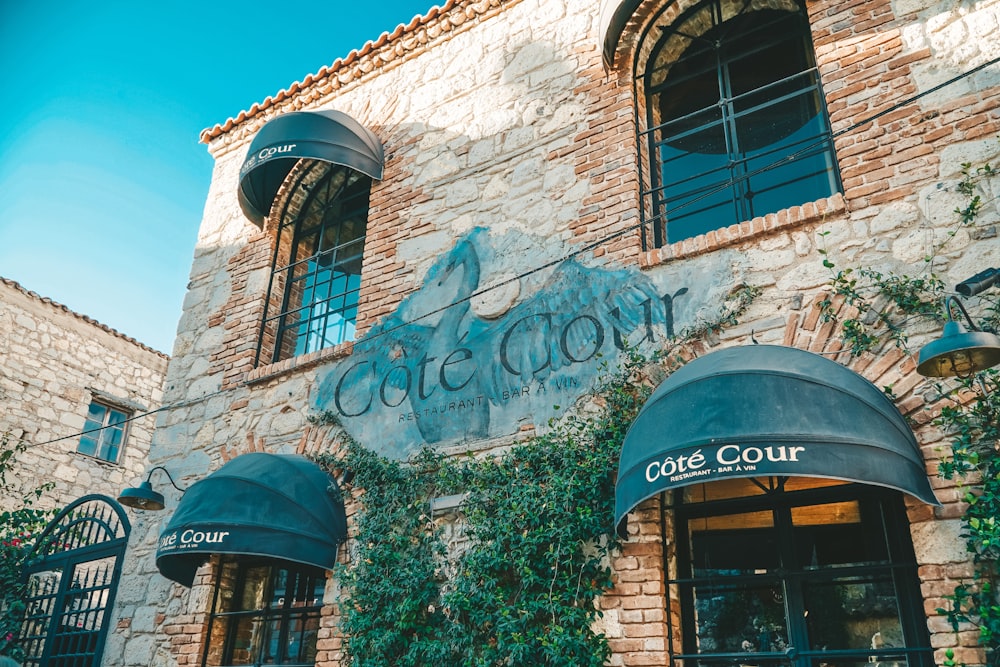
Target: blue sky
{"points": [[102, 177]]}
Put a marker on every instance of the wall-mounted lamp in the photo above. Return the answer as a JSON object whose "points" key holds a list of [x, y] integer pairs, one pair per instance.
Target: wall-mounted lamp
{"points": [[143, 497], [959, 352], [979, 282]]}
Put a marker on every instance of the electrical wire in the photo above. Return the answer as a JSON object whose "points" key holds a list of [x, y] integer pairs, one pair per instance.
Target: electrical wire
{"points": [[172, 406], [586, 248]]}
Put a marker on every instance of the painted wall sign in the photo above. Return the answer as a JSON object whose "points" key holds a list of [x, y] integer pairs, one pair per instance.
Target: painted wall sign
{"points": [[436, 373]]}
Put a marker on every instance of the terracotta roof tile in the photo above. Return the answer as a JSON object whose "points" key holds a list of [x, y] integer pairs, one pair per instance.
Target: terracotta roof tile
{"points": [[386, 42], [58, 306]]}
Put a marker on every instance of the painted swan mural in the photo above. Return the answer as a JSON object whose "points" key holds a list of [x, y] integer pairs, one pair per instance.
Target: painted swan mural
{"points": [[435, 372]]}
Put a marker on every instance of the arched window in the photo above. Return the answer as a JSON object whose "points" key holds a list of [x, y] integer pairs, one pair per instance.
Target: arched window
{"points": [[796, 572], [312, 301], [735, 116]]}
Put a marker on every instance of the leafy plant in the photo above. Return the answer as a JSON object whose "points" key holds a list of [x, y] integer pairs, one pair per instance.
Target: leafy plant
{"points": [[17, 530], [518, 585], [884, 307], [537, 528]]}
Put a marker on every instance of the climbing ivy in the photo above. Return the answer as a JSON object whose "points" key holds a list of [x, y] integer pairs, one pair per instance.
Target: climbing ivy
{"points": [[537, 533], [18, 526], [873, 307], [517, 585]]}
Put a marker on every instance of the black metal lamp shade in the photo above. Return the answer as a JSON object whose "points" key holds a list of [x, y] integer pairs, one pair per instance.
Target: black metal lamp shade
{"points": [[142, 497], [958, 352]]}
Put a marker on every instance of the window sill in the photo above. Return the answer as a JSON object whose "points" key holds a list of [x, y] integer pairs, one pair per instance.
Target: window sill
{"points": [[279, 368], [103, 462], [785, 219]]}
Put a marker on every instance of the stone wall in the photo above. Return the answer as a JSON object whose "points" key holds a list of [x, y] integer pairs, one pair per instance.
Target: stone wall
{"points": [[499, 115], [53, 363]]}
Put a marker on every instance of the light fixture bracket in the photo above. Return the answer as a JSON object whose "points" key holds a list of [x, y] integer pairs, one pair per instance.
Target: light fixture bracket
{"points": [[959, 352], [143, 497]]}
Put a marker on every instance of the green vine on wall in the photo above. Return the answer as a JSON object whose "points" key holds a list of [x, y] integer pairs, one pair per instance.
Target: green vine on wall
{"points": [[884, 307], [537, 532], [517, 586], [18, 526]]}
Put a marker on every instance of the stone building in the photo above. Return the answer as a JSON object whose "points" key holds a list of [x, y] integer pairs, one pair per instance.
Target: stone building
{"points": [[438, 237], [78, 397], [63, 374]]}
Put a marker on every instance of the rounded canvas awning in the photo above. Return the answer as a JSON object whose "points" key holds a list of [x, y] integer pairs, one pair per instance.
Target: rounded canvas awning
{"points": [[327, 135], [765, 410], [614, 16], [277, 506]]}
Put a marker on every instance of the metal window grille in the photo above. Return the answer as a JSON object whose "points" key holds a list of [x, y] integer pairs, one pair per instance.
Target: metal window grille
{"points": [[264, 613], [736, 120], [312, 300]]}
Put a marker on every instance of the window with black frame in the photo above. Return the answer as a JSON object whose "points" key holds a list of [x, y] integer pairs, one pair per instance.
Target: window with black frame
{"points": [[264, 612], [736, 118], [312, 301], [795, 572]]}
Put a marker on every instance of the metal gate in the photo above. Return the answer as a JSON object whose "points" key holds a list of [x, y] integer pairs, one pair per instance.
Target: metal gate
{"points": [[72, 577]]}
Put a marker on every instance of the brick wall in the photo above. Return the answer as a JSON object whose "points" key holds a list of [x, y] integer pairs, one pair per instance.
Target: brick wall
{"points": [[500, 115]]}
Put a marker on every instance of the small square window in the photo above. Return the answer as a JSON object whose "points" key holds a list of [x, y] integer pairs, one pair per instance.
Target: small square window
{"points": [[104, 432]]}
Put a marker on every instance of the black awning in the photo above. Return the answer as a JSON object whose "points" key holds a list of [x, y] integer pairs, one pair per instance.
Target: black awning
{"points": [[277, 506], [765, 410], [327, 135], [615, 15]]}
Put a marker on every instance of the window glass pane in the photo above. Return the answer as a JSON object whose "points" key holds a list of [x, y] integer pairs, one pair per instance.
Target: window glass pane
{"points": [[784, 185], [254, 586], [738, 119], [801, 483], [702, 132], [790, 123], [740, 487], [740, 619], [111, 443], [244, 637], [771, 52], [322, 264], [734, 544], [271, 646], [88, 445], [853, 613], [96, 413], [833, 535], [307, 243], [302, 633], [847, 512], [349, 257]]}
